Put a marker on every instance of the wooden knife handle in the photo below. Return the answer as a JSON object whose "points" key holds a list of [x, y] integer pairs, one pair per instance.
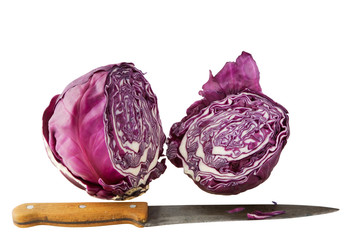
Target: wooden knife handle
{"points": [[86, 214]]}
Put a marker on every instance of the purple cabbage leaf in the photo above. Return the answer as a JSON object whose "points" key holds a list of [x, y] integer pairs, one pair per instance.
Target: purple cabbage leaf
{"points": [[104, 132], [231, 139]]}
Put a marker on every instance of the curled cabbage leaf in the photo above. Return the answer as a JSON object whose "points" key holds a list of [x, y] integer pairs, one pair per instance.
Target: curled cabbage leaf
{"points": [[104, 132], [230, 140]]}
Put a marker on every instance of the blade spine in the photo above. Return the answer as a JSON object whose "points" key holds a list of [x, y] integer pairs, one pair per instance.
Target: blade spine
{"points": [[245, 205]]}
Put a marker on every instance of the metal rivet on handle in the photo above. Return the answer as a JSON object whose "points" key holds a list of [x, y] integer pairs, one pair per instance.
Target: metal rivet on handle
{"points": [[132, 206], [82, 206], [30, 206]]}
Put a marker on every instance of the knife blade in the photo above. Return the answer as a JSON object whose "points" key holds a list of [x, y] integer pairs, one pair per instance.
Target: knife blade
{"points": [[88, 214]]}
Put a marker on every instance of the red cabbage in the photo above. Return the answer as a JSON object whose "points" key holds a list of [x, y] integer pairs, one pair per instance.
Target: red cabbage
{"points": [[231, 139], [258, 215], [104, 132], [236, 210]]}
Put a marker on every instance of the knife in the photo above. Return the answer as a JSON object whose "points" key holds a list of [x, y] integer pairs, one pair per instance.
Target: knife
{"points": [[88, 214]]}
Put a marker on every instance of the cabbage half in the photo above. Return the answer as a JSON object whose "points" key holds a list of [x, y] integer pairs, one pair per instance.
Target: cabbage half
{"points": [[230, 140], [104, 132]]}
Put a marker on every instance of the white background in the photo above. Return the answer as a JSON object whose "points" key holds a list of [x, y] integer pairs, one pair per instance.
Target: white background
{"points": [[308, 56]]}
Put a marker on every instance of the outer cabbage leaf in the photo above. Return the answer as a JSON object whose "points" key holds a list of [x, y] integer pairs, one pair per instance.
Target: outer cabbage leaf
{"points": [[230, 140], [104, 132]]}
